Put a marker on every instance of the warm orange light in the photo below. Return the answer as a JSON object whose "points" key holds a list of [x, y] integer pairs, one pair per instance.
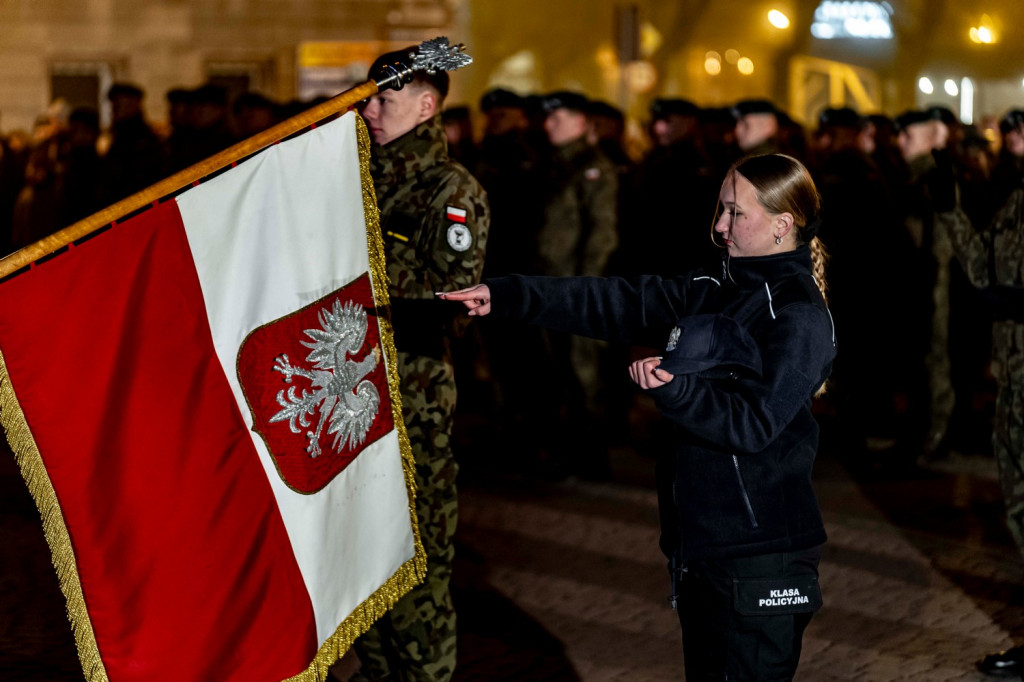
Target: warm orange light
{"points": [[712, 66], [745, 66], [983, 33]]}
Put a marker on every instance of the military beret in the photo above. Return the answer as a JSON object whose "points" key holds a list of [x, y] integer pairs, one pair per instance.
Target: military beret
{"points": [[1011, 120], [700, 342], [599, 108], [909, 118], [499, 97], [124, 90], [937, 112], [753, 106], [252, 100], [662, 107], [210, 94], [438, 80], [179, 95], [842, 117], [564, 99]]}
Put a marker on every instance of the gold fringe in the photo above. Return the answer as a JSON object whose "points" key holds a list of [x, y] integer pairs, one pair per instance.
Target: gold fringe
{"points": [[62, 554], [413, 571]]}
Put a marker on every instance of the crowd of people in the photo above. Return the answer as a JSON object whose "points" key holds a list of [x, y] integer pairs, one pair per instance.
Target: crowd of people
{"points": [[69, 166]]}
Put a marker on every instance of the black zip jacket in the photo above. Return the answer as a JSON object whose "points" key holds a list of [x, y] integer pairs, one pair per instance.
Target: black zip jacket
{"points": [[739, 481]]}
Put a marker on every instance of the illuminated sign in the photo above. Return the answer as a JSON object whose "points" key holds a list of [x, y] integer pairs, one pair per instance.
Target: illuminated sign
{"points": [[852, 20]]}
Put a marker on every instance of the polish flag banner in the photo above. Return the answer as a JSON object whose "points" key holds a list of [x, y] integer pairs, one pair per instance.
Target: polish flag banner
{"points": [[203, 400]]}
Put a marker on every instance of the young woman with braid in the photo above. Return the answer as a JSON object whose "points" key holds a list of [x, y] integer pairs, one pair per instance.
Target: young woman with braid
{"points": [[745, 351]]}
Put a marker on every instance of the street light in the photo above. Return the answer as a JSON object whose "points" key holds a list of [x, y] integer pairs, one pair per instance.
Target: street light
{"points": [[778, 19], [983, 33]]}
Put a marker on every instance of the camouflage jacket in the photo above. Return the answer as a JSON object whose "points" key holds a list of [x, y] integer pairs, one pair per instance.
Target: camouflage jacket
{"points": [[993, 259], [580, 229], [434, 219]]}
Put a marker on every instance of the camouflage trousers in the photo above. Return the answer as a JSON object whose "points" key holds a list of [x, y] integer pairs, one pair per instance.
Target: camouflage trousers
{"points": [[1008, 430], [415, 641], [941, 398]]}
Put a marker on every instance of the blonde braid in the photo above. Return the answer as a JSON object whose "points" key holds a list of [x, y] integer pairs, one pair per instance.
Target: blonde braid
{"points": [[819, 256]]}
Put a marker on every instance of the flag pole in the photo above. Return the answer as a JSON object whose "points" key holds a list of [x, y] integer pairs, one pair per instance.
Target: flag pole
{"points": [[432, 55]]}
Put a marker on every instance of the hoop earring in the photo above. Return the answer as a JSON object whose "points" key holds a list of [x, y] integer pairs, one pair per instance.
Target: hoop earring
{"points": [[778, 240]]}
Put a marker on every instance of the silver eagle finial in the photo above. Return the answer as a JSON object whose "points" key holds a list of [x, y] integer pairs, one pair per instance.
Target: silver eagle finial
{"points": [[433, 55]]}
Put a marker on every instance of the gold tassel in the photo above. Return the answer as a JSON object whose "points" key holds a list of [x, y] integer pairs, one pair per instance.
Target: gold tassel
{"points": [[33, 470]]}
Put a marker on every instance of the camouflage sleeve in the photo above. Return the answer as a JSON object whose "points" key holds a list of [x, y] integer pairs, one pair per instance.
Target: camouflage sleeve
{"points": [[599, 206], [1002, 245], [457, 235], [969, 246], [1008, 236]]}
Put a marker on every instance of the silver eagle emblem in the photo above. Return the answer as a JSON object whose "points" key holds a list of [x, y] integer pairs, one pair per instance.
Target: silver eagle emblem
{"points": [[673, 338], [339, 390]]}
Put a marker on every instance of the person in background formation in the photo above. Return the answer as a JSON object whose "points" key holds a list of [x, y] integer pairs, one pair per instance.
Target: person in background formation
{"points": [[434, 220], [993, 259], [606, 130], [252, 113], [135, 158], [509, 169], [83, 180], [36, 212], [860, 215], [676, 168], [757, 127], [458, 130], [579, 233], [746, 348], [918, 133]]}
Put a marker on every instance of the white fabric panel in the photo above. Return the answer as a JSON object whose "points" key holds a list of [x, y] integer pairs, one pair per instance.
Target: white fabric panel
{"points": [[272, 235]]}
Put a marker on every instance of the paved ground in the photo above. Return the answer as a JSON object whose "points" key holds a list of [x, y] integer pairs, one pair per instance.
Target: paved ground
{"points": [[563, 581]]}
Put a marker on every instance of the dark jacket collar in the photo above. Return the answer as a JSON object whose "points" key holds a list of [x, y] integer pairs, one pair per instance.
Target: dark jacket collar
{"points": [[754, 271], [423, 146]]}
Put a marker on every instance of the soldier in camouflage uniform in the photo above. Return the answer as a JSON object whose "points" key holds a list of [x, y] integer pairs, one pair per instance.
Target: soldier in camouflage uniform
{"points": [[917, 137], [434, 219], [578, 236], [993, 259]]}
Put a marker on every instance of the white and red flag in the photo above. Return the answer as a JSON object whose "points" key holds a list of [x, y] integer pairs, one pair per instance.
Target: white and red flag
{"points": [[203, 401]]}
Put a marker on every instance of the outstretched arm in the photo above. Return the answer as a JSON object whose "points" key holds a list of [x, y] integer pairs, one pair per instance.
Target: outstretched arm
{"points": [[476, 298]]}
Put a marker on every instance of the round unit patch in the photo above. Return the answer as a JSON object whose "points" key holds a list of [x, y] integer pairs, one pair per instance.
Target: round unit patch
{"points": [[459, 237]]}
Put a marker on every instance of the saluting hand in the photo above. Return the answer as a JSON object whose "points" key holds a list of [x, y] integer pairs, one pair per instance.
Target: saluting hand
{"points": [[477, 299], [645, 373]]}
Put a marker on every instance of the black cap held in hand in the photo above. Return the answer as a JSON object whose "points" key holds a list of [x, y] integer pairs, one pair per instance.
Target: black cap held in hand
{"points": [[701, 342]]}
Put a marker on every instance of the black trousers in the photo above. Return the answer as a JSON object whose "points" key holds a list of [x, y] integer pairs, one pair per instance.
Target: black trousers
{"points": [[744, 619]]}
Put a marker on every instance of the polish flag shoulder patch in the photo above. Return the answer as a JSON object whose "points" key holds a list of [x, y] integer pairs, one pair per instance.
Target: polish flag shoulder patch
{"points": [[455, 215]]}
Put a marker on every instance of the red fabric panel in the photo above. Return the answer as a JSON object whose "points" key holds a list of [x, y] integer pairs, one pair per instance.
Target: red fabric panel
{"points": [[185, 563]]}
